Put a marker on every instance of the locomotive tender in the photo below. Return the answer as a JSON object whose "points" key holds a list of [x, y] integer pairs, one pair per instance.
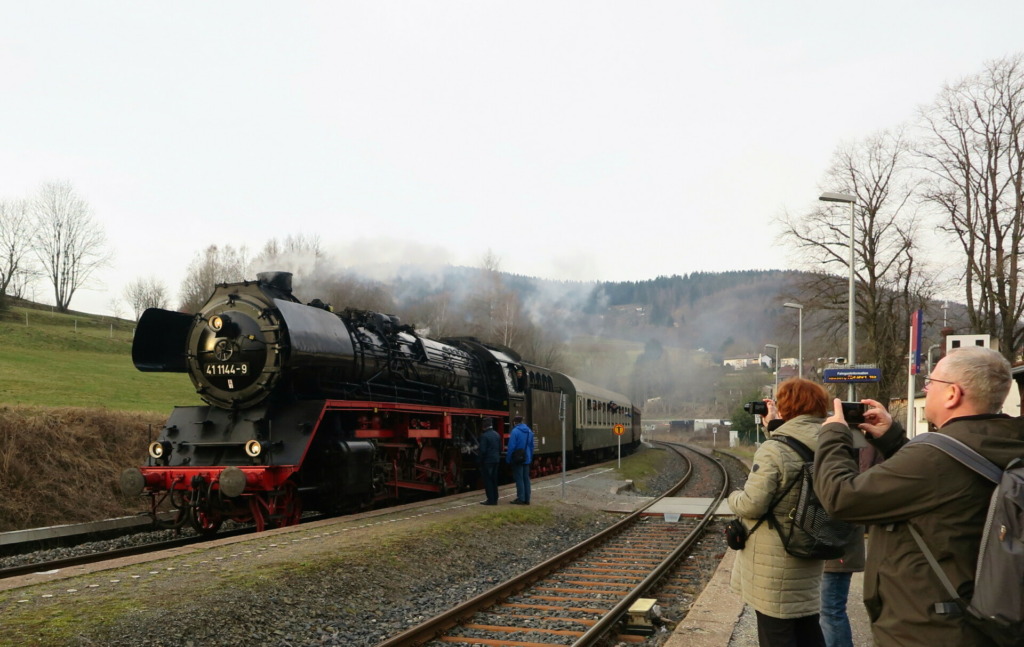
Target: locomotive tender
{"points": [[306, 408]]}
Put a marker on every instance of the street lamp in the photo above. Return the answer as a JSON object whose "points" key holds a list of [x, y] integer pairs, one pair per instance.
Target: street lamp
{"points": [[852, 334], [776, 390], [800, 336]]}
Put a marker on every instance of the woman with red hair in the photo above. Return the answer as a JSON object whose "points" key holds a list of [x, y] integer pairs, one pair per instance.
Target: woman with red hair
{"points": [[783, 590]]}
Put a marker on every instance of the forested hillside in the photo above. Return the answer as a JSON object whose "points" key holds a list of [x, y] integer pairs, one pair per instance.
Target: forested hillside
{"points": [[723, 313]]}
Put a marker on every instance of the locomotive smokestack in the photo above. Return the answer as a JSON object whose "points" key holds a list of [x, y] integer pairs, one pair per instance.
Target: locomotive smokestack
{"points": [[277, 280]]}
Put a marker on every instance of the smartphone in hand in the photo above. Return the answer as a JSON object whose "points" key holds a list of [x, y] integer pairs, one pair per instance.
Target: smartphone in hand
{"points": [[854, 412]]}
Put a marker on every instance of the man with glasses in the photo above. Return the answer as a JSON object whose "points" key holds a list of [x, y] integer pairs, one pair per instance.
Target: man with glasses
{"points": [[920, 485]]}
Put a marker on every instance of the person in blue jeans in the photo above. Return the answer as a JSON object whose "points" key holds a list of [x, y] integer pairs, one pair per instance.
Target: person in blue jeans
{"points": [[835, 589], [835, 580], [521, 438]]}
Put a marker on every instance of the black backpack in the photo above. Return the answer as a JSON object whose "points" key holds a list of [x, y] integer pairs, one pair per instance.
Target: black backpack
{"points": [[807, 530], [997, 606]]}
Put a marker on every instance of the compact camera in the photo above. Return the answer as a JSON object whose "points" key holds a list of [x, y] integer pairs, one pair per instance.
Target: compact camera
{"points": [[756, 408], [854, 412]]}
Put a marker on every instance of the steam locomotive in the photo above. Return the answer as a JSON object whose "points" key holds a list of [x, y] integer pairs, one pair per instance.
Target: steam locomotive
{"points": [[307, 408]]}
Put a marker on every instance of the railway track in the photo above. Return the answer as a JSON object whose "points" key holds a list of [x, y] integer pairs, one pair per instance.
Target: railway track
{"points": [[71, 535], [103, 555], [582, 595]]}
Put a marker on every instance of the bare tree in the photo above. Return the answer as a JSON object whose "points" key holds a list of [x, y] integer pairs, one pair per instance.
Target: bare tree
{"points": [[888, 277], [494, 309], [70, 246], [544, 350], [433, 314], [293, 253], [212, 266], [15, 248], [974, 151], [352, 291], [116, 308], [143, 293]]}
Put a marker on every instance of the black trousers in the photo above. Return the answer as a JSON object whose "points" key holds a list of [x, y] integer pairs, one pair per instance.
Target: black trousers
{"points": [[791, 632], [489, 472]]}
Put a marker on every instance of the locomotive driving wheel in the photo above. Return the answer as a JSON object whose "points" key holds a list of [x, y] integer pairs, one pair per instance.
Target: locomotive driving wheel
{"points": [[287, 505], [256, 512], [451, 476], [427, 467]]}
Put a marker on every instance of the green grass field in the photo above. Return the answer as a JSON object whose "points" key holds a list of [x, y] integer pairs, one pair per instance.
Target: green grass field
{"points": [[50, 359]]}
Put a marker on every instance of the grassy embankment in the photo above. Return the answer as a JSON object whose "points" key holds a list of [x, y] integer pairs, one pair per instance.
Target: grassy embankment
{"points": [[74, 412], [51, 359]]}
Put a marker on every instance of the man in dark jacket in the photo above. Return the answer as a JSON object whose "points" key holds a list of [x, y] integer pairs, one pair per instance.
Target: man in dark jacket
{"points": [[521, 438], [920, 485], [490, 458]]}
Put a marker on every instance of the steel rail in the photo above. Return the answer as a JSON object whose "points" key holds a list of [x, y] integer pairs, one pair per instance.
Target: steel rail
{"points": [[92, 558], [128, 551], [435, 627], [605, 624]]}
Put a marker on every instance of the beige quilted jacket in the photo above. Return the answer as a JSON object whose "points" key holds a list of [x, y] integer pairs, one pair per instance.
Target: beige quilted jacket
{"points": [[766, 577]]}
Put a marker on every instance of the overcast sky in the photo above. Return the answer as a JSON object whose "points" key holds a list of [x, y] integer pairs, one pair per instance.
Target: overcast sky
{"points": [[576, 140]]}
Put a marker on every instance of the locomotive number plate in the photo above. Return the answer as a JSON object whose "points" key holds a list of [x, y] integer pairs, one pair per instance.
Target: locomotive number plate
{"points": [[227, 369]]}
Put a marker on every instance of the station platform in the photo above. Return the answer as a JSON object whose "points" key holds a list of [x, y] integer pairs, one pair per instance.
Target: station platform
{"points": [[682, 506], [686, 507], [719, 618]]}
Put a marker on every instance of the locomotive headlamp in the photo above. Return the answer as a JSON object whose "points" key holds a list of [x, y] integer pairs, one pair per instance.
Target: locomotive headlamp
{"points": [[253, 448], [160, 449], [216, 322]]}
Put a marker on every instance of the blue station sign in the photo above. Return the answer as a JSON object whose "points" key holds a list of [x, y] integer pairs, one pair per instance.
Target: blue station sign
{"points": [[851, 374]]}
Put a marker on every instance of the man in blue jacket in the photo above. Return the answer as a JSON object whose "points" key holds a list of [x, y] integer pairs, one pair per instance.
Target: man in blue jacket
{"points": [[519, 456]]}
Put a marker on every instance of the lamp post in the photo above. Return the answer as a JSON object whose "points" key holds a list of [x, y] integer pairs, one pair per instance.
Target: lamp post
{"points": [[776, 389], [930, 349], [852, 334], [800, 336]]}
